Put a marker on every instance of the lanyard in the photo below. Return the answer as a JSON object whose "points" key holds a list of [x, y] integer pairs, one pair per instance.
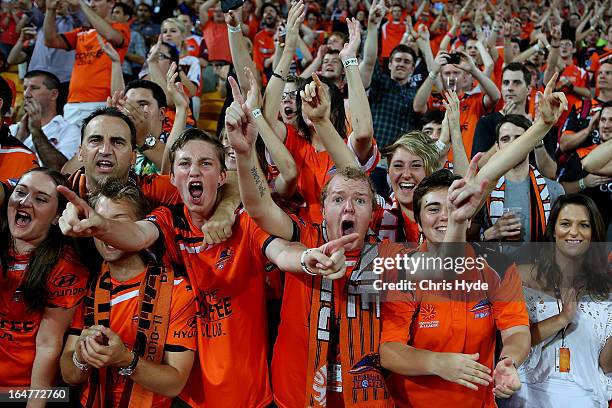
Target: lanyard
{"points": [[560, 306]]}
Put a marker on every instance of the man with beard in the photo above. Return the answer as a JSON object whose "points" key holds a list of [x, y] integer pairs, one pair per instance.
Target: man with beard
{"points": [[263, 42], [228, 279]]}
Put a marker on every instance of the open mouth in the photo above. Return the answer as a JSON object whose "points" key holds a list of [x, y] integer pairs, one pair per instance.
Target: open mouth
{"points": [[288, 111], [574, 241], [407, 186], [441, 228], [348, 227], [104, 166], [22, 219], [196, 190]]}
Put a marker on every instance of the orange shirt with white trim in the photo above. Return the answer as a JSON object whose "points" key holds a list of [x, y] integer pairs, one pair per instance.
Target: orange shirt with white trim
{"points": [[228, 280], [315, 168], [19, 326], [452, 321], [124, 297], [91, 75]]}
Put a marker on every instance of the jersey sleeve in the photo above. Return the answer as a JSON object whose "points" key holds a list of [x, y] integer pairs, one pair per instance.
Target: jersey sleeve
{"points": [[370, 164], [124, 30], [161, 217], [508, 301], [159, 190], [573, 123], [396, 317], [78, 321], [258, 238], [67, 283], [70, 38], [182, 331]]}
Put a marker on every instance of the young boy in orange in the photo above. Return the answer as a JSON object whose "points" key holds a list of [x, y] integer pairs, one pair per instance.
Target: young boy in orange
{"points": [[136, 328]]}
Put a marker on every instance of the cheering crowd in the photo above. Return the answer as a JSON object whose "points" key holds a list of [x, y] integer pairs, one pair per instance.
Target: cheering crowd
{"points": [[146, 262]]}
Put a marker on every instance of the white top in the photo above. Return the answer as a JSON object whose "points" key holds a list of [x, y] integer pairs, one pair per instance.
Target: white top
{"points": [[585, 337], [65, 136]]}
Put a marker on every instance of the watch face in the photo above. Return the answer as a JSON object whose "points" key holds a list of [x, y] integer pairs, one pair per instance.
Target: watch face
{"points": [[150, 141]]}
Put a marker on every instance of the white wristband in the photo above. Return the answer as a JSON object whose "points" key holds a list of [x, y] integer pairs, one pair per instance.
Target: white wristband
{"points": [[305, 267], [351, 61], [256, 113], [581, 184], [440, 145], [233, 29], [432, 76]]}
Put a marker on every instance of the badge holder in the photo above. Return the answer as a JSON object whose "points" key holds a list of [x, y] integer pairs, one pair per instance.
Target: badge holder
{"points": [[562, 354]]}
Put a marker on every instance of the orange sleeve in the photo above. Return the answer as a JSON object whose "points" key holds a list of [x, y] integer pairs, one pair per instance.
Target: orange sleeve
{"points": [[124, 29], [509, 308], [159, 190], [77, 321], [162, 218], [182, 332], [396, 318], [71, 38], [258, 237], [67, 283]]}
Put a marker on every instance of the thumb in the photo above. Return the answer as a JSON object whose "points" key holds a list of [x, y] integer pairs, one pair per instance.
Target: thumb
{"points": [[474, 356], [112, 336]]}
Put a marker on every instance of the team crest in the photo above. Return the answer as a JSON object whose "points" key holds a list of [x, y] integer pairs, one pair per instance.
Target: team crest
{"points": [[481, 309], [224, 257]]}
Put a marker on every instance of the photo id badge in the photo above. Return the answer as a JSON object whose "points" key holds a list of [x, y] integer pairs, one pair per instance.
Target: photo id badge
{"points": [[562, 359]]}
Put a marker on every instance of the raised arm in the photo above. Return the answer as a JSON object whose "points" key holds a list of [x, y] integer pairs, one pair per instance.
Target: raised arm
{"points": [[424, 92], [460, 158], [100, 25], [286, 181], [52, 38], [272, 96], [117, 83], [370, 47], [492, 94], [181, 104], [553, 55], [203, 10], [238, 47], [361, 116], [316, 105], [242, 134]]}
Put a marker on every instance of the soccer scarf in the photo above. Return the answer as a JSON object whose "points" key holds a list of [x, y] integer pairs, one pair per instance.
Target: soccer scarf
{"points": [[539, 203], [395, 226], [345, 316], [154, 299]]}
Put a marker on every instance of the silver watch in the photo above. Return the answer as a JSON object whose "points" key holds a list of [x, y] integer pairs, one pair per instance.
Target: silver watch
{"points": [[149, 143], [129, 370]]}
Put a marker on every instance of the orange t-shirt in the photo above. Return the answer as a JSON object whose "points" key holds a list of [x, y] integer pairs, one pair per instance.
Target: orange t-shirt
{"points": [[315, 168], [66, 285], [454, 321], [124, 322], [263, 48], [192, 45], [391, 34], [91, 75], [471, 109], [577, 77], [15, 157], [229, 285], [217, 41]]}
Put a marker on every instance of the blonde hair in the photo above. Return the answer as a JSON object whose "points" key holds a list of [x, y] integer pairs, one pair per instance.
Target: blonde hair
{"points": [[178, 23], [419, 144]]}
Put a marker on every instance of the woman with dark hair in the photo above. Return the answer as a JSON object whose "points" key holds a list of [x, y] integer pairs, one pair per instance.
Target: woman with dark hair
{"points": [[567, 292], [41, 282], [319, 142]]}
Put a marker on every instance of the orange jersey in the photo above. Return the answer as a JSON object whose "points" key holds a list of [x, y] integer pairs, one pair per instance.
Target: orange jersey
{"points": [[91, 75], [290, 356], [577, 77], [455, 321], [217, 41], [124, 297], [263, 47], [471, 109], [315, 168], [156, 187], [229, 285], [19, 326], [15, 157], [391, 34], [192, 45]]}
